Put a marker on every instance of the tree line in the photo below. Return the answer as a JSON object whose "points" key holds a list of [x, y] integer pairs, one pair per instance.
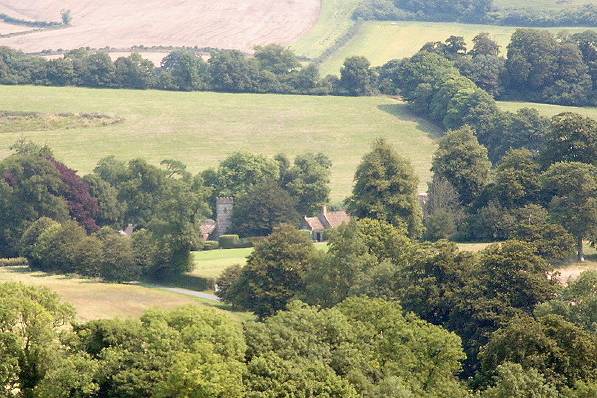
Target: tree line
{"points": [[539, 66], [65, 223], [360, 347], [272, 69], [475, 11]]}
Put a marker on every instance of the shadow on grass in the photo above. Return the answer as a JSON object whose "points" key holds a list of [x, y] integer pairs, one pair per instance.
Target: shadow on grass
{"points": [[403, 112]]}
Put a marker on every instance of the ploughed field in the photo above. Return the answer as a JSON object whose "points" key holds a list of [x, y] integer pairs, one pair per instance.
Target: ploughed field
{"points": [[238, 24], [201, 128]]}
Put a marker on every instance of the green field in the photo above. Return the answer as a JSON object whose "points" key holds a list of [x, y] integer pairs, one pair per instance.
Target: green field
{"points": [[334, 21], [201, 129], [548, 110], [382, 41]]}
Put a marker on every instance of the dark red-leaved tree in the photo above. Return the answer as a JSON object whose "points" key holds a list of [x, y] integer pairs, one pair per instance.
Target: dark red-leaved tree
{"points": [[82, 206]]}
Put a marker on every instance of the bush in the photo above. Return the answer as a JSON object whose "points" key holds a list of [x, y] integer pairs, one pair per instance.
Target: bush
{"points": [[229, 241], [210, 245]]}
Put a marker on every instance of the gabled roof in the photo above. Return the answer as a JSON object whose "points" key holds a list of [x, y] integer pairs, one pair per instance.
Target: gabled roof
{"points": [[207, 227], [336, 218], [314, 223]]}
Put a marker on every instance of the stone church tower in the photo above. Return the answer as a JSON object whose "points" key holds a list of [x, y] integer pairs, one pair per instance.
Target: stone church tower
{"points": [[224, 207]]}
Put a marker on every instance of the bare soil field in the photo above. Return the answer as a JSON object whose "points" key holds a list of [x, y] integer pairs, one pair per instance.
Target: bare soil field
{"points": [[6, 28], [238, 24]]}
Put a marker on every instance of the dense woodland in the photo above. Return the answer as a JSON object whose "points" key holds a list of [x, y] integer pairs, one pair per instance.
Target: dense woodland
{"points": [[475, 11]]}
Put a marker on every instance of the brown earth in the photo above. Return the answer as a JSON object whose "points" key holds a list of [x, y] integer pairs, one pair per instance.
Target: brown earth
{"points": [[238, 24]]}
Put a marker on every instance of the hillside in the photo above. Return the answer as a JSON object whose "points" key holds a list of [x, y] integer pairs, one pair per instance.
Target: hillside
{"points": [[202, 128], [383, 41], [238, 24]]}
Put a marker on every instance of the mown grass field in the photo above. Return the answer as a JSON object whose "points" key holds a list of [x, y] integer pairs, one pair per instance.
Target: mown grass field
{"points": [[211, 263], [334, 21], [548, 110], [382, 41], [93, 299], [201, 129]]}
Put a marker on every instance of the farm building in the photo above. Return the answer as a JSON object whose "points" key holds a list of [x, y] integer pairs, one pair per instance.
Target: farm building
{"points": [[325, 220]]}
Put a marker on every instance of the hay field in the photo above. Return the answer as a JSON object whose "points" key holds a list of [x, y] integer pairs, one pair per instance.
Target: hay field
{"points": [[382, 41], [202, 128], [97, 300], [238, 24]]}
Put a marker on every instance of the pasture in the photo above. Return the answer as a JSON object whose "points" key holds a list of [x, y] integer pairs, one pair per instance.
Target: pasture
{"points": [[382, 41], [98, 300], [202, 128], [334, 21], [548, 110], [238, 24]]}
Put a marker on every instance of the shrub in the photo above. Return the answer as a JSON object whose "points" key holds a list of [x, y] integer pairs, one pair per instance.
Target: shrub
{"points": [[229, 241], [210, 245]]}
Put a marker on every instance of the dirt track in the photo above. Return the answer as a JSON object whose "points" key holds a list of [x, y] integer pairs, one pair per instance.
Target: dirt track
{"points": [[239, 24]]}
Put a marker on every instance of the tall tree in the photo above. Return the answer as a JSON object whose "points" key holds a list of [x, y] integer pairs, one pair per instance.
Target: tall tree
{"points": [[307, 181], [274, 272], [571, 191], [570, 138], [356, 77], [386, 189], [463, 162]]}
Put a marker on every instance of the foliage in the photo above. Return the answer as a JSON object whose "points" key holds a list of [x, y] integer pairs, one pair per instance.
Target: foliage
{"points": [[347, 341], [577, 302], [386, 189], [570, 138], [274, 271], [571, 191], [262, 209], [514, 381], [462, 161], [31, 319], [560, 350]]}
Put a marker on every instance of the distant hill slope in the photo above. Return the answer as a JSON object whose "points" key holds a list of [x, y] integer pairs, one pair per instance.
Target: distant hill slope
{"points": [[202, 128], [238, 24]]}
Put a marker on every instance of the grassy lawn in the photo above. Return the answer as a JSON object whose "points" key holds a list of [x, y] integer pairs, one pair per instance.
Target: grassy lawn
{"points": [[211, 263], [383, 41], [548, 110], [201, 129], [334, 20], [97, 300]]}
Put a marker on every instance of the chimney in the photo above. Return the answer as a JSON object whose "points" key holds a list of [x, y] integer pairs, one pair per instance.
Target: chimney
{"points": [[324, 210]]}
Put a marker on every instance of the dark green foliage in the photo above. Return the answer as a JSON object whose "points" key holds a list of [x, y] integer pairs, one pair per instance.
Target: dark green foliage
{"points": [[571, 191], [541, 68], [356, 77], [263, 208], [307, 181], [513, 381], [135, 72], [386, 189], [570, 138], [577, 302], [560, 350], [188, 71], [274, 271], [463, 162], [443, 213], [228, 241]]}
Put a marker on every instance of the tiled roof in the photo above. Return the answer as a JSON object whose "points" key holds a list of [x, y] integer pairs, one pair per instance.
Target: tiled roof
{"points": [[337, 218], [314, 223], [207, 227]]}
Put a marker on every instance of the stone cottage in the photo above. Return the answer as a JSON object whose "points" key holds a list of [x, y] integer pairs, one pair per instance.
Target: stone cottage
{"points": [[323, 221]]}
